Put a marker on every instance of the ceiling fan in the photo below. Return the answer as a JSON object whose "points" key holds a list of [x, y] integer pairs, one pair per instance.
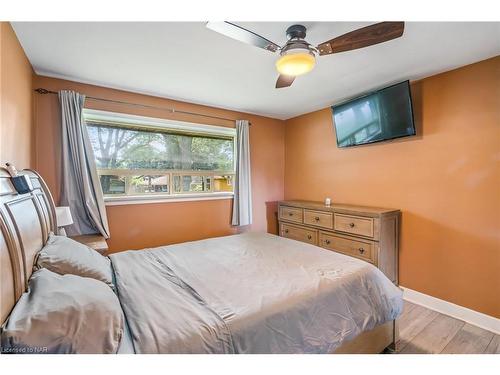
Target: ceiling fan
{"points": [[297, 56]]}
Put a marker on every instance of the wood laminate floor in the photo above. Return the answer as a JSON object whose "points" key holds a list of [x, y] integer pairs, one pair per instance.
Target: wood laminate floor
{"points": [[424, 331]]}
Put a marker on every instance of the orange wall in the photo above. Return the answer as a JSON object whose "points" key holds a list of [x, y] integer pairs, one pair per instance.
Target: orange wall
{"points": [[147, 225], [16, 107], [446, 181]]}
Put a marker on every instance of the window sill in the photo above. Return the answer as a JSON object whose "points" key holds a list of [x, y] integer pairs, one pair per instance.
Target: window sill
{"points": [[138, 199]]}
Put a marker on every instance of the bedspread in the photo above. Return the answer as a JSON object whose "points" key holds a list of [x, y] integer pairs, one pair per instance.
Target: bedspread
{"points": [[249, 293]]}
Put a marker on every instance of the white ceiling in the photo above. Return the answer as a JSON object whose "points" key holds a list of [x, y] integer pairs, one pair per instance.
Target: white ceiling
{"points": [[187, 61]]}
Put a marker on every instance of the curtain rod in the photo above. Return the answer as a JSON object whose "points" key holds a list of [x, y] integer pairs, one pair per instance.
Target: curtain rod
{"points": [[43, 91]]}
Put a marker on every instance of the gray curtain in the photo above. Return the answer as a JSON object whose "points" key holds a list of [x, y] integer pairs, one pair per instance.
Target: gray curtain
{"points": [[242, 202], [81, 190]]}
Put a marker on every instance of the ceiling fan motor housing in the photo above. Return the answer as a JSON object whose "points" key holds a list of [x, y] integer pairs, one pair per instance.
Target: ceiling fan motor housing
{"points": [[296, 32], [296, 41]]}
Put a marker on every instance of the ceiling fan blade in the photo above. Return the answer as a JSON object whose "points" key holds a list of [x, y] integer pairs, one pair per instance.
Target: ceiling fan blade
{"points": [[364, 37], [284, 81], [243, 35]]}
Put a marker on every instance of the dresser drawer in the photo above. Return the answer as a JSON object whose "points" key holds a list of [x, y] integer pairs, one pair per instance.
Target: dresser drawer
{"points": [[360, 249], [318, 218], [299, 233], [362, 226], [291, 214]]}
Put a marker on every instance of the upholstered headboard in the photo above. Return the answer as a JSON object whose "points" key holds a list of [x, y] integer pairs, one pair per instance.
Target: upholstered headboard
{"points": [[25, 222]]}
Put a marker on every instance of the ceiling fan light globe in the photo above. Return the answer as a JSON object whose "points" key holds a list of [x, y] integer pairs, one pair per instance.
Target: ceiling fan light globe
{"points": [[295, 64]]}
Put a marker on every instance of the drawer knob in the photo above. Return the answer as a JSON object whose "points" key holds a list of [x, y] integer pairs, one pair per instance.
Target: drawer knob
{"points": [[290, 214], [361, 250], [286, 230], [327, 242], [351, 225], [316, 218], [309, 236]]}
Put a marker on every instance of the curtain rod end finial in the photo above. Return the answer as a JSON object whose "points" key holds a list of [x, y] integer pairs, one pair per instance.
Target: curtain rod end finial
{"points": [[42, 91]]}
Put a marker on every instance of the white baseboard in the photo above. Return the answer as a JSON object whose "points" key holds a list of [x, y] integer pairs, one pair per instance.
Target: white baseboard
{"points": [[459, 312]]}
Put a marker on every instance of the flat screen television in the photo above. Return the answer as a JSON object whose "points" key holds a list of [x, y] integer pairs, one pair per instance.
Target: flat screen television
{"points": [[374, 117]]}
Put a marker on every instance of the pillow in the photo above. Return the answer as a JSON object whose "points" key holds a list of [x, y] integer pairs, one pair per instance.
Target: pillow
{"points": [[64, 314], [63, 255]]}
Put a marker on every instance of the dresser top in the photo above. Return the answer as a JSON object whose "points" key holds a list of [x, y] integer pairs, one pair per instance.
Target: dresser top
{"points": [[340, 208]]}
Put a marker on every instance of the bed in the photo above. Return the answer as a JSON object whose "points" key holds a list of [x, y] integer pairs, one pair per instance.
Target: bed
{"points": [[246, 293]]}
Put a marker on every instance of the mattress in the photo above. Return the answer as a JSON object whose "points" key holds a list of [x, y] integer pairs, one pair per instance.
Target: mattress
{"points": [[249, 293]]}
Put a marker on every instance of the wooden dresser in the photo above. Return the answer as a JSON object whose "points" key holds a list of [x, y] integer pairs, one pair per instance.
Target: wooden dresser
{"points": [[367, 233]]}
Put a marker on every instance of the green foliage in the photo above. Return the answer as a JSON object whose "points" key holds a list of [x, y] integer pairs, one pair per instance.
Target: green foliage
{"points": [[137, 149]]}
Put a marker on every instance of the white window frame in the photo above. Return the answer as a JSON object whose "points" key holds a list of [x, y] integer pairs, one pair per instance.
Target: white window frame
{"points": [[149, 123]]}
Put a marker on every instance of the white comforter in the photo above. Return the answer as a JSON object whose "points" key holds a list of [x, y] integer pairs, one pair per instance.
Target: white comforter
{"points": [[249, 293]]}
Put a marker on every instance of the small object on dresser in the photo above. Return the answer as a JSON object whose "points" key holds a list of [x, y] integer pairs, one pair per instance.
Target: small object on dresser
{"points": [[328, 202], [64, 218]]}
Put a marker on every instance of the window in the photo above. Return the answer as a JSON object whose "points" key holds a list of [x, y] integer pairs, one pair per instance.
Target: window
{"points": [[143, 157]]}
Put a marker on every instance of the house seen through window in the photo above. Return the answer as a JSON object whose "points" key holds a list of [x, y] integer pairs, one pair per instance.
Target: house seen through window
{"points": [[137, 159]]}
